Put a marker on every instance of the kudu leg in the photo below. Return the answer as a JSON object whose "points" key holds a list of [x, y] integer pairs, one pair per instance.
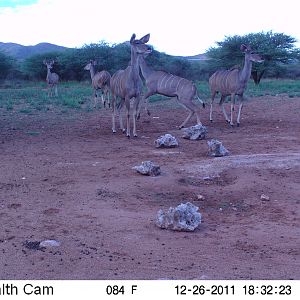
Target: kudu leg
{"points": [[127, 104], [240, 109], [193, 109], [223, 98], [120, 115], [187, 119], [136, 110], [232, 108], [146, 102], [211, 106], [113, 114], [95, 98], [103, 99]]}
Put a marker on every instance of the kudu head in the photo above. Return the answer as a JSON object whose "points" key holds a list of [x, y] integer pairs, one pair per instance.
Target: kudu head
{"points": [[250, 54], [91, 64], [49, 64], [138, 46]]}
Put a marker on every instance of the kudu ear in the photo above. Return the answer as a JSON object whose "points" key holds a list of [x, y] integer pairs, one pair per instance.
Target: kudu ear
{"points": [[44, 62], [145, 39], [243, 47], [132, 38]]}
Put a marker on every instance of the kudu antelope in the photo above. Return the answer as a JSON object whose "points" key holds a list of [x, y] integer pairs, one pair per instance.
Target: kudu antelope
{"points": [[160, 82], [100, 81], [127, 84], [232, 83], [52, 78]]}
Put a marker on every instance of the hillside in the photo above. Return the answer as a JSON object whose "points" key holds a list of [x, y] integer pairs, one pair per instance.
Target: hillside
{"points": [[21, 52]]}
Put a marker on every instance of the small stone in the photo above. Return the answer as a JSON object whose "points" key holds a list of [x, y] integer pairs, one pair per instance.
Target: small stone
{"points": [[184, 217], [49, 243], [148, 168], [166, 141], [216, 148], [264, 197], [200, 197], [197, 132]]}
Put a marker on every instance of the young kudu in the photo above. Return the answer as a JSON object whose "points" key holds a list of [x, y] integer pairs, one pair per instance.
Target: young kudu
{"points": [[160, 82], [231, 83], [100, 81], [52, 78], [127, 84]]}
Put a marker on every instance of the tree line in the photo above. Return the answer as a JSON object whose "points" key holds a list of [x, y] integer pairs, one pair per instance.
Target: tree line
{"points": [[282, 59]]}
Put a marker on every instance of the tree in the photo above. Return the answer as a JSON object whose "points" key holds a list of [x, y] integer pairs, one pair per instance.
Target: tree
{"points": [[6, 65], [277, 49]]}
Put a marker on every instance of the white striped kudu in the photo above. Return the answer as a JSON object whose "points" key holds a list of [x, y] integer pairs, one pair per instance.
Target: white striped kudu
{"points": [[127, 84], [100, 81], [231, 83], [52, 78], [160, 82]]}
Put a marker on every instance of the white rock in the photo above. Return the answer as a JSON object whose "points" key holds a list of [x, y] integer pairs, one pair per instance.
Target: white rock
{"points": [[215, 148], [148, 168], [197, 132], [184, 217], [166, 141], [264, 197], [49, 243]]}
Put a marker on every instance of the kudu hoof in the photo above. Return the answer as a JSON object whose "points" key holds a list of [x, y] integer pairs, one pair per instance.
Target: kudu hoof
{"points": [[238, 124], [203, 105], [148, 113]]}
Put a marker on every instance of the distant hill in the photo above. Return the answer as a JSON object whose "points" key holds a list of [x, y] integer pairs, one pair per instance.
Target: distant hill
{"points": [[21, 52], [198, 57]]}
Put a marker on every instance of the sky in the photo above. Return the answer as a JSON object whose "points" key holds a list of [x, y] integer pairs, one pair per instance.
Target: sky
{"points": [[177, 27]]}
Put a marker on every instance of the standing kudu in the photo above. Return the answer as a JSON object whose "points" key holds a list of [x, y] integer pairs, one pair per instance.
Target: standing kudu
{"points": [[127, 84], [100, 81], [231, 83], [160, 82], [52, 78]]}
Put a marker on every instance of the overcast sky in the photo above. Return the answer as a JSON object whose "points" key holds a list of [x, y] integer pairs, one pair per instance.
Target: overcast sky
{"points": [[177, 27]]}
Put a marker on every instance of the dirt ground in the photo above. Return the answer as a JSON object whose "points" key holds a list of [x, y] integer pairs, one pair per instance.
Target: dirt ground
{"points": [[67, 177]]}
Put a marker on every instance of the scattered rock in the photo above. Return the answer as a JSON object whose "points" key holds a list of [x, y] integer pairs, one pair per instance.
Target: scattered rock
{"points": [[33, 245], [200, 197], [264, 197], [148, 168], [49, 243], [184, 217], [166, 141], [216, 148], [197, 132]]}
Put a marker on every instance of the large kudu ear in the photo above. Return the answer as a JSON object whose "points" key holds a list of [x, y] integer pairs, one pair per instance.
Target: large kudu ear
{"points": [[132, 38], [245, 48], [45, 62], [145, 39]]}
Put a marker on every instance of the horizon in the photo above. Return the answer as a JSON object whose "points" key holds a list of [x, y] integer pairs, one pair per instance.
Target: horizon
{"points": [[199, 28]]}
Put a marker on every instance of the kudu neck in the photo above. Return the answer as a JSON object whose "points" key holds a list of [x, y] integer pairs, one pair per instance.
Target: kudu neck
{"points": [[146, 71], [134, 63], [92, 71], [246, 71]]}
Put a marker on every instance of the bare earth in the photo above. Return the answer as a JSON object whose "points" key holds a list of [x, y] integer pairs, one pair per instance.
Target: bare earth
{"points": [[67, 177]]}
